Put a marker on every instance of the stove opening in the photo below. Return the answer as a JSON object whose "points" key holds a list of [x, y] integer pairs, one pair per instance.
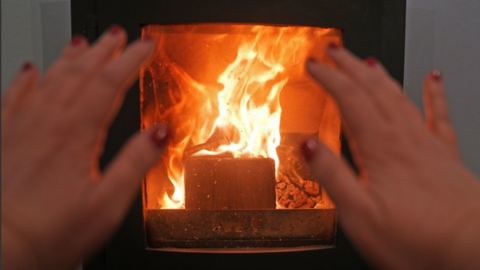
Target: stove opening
{"points": [[238, 103]]}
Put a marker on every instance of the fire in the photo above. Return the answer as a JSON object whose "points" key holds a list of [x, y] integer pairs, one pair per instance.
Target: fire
{"points": [[218, 87]]}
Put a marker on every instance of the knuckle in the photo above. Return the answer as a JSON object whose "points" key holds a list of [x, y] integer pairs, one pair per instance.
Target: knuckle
{"points": [[442, 116], [76, 68], [412, 110], [60, 126], [382, 80], [354, 99], [449, 134], [136, 162], [393, 141], [108, 77], [373, 78], [347, 85]]}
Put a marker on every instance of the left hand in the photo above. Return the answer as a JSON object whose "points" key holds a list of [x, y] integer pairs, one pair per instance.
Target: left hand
{"points": [[57, 206]]}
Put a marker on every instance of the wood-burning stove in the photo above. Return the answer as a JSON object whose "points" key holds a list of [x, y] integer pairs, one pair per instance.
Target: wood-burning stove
{"points": [[367, 27]]}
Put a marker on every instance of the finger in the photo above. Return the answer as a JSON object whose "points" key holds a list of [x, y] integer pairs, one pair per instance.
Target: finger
{"points": [[103, 97], [77, 47], [123, 176], [110, 45], [436, 109], [357, 108], [384, 91], [72, 74], [23, 84], [72, 51], [336, 176]]}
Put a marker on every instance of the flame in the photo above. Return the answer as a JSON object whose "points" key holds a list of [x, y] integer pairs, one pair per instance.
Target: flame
{"points": [[248, 107], [225, 106]]}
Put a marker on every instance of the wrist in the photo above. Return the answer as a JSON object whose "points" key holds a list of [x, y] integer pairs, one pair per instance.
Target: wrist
{"points": [[463, 252], [15, 255]]}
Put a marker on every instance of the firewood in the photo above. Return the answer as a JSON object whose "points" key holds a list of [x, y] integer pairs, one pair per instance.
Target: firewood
{"points": [[222, 135], [311, 188], [229, 183], [210, 145]]}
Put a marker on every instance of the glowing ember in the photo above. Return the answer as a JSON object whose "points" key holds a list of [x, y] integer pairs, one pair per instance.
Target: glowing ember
{"points": [[218, 87]]}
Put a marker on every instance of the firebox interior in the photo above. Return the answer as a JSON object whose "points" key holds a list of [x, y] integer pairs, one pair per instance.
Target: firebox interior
{"points": [[239, 102]]}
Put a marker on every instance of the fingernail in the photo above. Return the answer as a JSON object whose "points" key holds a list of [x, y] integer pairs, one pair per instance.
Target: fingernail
{"points": [[27, 66], [159, 136], [311, 61], [310, 149], [115, 29], [436, 75], [371, 61], [333, 46], [76, 40]]}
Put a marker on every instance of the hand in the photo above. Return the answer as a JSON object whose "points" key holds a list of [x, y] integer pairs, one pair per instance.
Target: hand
{"points": [[57, 206], [414, 204]]}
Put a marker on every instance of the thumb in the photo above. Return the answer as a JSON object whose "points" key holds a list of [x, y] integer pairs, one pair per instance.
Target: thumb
{"points": [[336, 176], [114, 194]]}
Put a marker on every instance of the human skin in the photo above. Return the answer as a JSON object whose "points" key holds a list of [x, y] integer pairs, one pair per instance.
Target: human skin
{"points": [[57, 206], [414, 204]]}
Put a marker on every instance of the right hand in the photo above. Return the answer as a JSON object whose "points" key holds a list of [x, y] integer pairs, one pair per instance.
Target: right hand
{"points": [[414, 205]]}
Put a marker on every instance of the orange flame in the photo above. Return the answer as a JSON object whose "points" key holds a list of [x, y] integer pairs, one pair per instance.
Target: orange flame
{"points": [[224, 105]]}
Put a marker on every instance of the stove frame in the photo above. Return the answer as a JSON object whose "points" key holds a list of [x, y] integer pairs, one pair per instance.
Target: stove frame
{"points": [[371, 28]]}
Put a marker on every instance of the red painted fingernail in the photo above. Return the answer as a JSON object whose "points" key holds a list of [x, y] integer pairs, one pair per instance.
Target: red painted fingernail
{"points": [[159, 136], [333, 46], [436, 75], [310, 149], [311, 61], [115, 29], [371, 61], [76, 40], [27, 66]]}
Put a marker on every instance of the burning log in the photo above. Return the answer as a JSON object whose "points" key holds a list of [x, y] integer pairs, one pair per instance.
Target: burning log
{"points": [[229, 183], [221, 136], [210, 145]]}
